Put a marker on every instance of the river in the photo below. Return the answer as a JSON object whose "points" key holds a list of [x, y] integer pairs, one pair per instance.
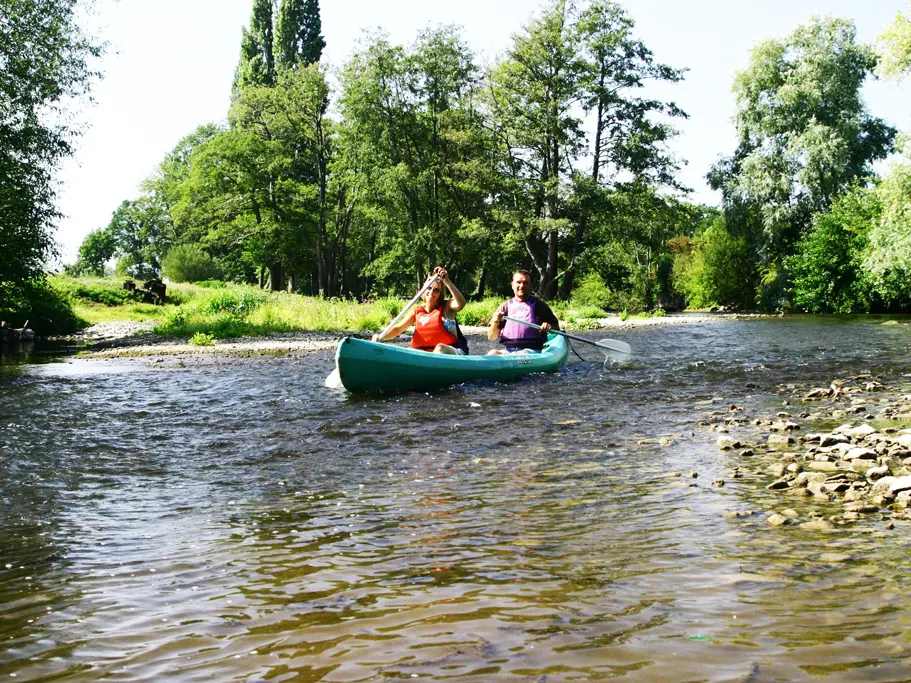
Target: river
{"points": [[232, 519]]}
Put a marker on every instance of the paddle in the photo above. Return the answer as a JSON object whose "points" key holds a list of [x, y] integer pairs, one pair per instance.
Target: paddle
{"points": [[612, 349], [334, 380]]}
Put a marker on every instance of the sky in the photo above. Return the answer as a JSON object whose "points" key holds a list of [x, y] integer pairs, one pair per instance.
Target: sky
{"points": [[170, 63]]}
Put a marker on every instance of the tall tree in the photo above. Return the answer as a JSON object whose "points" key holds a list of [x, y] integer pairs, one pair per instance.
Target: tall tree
{"points": [[895, 48], [298, 33], [805, 134], [412, 126], [630, 131], [257, 61], [45, 62], [568, 62]]}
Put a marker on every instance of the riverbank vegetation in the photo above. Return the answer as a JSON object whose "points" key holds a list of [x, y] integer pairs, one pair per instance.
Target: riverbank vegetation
{"points": [[553, 158], [221, 310]]}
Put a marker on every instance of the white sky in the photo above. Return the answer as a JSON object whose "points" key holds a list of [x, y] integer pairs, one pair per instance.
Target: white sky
{"points": [[171, 62]]}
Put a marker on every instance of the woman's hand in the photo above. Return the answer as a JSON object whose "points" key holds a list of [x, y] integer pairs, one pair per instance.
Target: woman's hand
{"points": [[442, 273], [375, 338]]}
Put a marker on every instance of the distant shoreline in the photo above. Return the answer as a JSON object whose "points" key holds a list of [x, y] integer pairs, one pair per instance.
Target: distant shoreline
{"points": [[131, 339]]}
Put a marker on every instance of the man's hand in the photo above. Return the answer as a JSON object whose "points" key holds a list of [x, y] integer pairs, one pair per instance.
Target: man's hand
{"points": [[545, 327]]}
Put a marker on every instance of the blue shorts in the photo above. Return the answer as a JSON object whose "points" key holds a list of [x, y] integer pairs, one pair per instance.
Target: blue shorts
{"points": [[515, 350]]}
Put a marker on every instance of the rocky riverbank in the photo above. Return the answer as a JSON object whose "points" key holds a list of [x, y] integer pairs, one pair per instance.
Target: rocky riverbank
{"points": [[859, 471]]}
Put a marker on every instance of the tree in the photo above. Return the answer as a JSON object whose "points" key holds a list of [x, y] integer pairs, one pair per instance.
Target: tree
{"points": [[298, 34], [568, 62], [412, 130], [827, 267], [44, 65], [889, 257], [96, 250], [140, 231], [257, 61], [805, 135], [895, 48], [630, 136]]}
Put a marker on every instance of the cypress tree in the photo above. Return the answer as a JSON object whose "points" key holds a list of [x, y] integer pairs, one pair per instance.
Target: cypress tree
{"points": [[257, 63], [298, 38]]}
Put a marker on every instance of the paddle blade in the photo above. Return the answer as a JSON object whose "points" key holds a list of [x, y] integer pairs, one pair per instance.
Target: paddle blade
{"points": [[615, 350], [333, 380]]}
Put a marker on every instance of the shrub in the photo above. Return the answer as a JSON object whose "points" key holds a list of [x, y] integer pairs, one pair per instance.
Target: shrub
{"points": [[718, 269], [593, 292], [46, 309], [189, 263], [202, 339], [478, 312], [236, 301]]}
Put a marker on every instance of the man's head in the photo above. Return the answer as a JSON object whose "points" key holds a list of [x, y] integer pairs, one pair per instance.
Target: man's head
{"points": [[521, 284]]}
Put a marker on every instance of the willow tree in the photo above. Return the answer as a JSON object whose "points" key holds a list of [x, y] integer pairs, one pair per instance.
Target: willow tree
{"points": [[805, 136]]}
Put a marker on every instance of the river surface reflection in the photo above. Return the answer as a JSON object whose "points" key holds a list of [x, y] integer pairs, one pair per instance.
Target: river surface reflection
{"points": [[234, 520]]}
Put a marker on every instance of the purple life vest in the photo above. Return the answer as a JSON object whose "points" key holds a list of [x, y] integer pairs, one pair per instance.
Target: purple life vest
{"points": [[517, 336]]}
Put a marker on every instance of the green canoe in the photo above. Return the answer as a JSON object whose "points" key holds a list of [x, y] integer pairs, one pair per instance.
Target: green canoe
{"points": [[370, 367]]}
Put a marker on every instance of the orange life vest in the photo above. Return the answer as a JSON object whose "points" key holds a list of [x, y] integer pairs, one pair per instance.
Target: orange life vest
{"points": [[429, 330]]}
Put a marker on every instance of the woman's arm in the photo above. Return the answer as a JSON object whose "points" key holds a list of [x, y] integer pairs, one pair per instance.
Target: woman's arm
{"points": [[458, 299], [403, 325]]}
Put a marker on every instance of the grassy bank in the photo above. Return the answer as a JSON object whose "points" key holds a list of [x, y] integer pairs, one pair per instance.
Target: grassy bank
{"points": [[223, 311]]}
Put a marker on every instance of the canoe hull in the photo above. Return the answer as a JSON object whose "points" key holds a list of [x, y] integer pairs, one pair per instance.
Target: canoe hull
{"points": [[370, 367]]}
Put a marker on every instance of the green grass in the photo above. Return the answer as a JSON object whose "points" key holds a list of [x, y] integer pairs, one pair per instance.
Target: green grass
{"points": [[227, 310]]}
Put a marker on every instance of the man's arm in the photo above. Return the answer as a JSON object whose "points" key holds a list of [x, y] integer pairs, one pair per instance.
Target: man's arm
{"points": [[496, 323], [543, 314]]}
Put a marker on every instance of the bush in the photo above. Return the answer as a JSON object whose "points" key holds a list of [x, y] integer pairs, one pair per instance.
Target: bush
{"points": [[237, 301], [592, 292], [718, 270], [47, 310], [202, 339], [827, 269], [189, 263], [478, 312], [211, 284]]}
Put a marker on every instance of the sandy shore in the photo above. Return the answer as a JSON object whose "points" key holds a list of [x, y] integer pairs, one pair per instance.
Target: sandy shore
{"points": [[128, 338]]}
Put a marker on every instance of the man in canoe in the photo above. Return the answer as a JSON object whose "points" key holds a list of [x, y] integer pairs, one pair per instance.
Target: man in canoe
{"points": [[435, 327], [516, 337]]}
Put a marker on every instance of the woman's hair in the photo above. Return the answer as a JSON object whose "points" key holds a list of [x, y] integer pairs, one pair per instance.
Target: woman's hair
{"points": [[442, 298]]}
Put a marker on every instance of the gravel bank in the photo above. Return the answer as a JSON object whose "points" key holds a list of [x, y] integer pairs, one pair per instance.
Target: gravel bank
{"points": [[128, 338]]}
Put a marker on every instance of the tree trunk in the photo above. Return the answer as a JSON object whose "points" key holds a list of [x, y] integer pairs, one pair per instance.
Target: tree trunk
{"points": [[478, 293], [276, 277], [549, 287], [294, 282]]}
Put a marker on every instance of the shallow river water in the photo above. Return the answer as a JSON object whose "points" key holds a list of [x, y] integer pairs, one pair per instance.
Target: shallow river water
{"points": [[234, 520]]}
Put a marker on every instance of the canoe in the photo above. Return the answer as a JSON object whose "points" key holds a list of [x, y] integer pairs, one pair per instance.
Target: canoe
{"points": [[371, 367]]}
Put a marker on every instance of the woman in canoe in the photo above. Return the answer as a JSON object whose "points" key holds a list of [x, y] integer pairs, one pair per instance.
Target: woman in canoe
{"points": [[435, 327]]}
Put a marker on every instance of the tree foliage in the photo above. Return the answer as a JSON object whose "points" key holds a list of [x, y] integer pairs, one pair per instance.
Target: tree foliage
{"points": [[45, 63], [895, 48], [827, 268], [889, 257], [257, 59], [298, 34], [805, 134]]}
